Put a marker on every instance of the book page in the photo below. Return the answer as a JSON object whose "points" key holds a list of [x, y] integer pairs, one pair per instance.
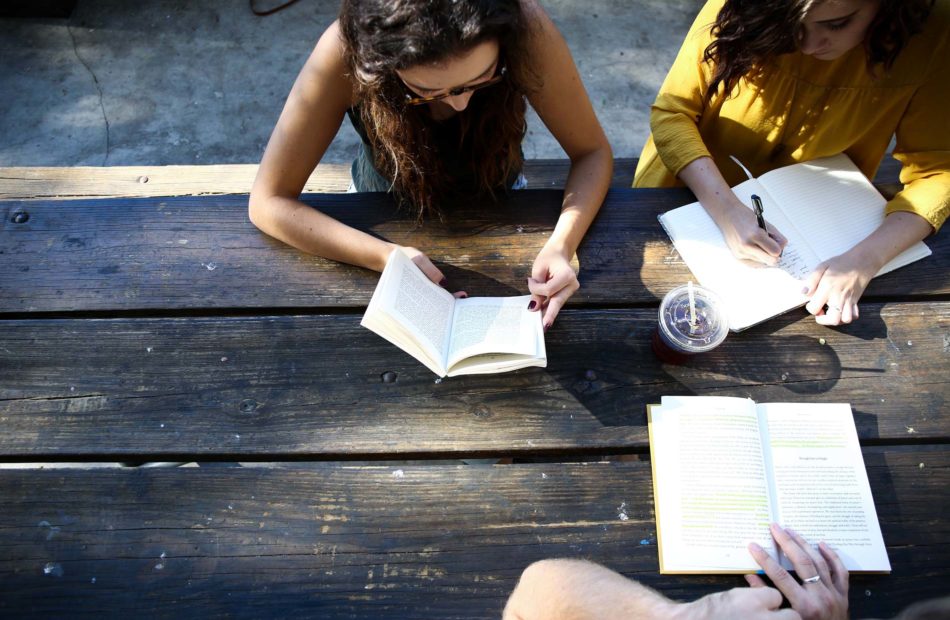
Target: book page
{"points": [[412, 312], [493, 325], [491, 363], [833, 206], [821, 484], [710, 481], [751, 294]]}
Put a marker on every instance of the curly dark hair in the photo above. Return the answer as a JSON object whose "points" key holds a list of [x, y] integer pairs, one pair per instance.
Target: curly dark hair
{"points": [[749, 33], [382, 36]]}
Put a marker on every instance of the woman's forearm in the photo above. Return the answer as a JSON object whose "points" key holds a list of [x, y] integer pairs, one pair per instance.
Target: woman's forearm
{"points": [[898, 232], [584, 191], [714, 194], [307, 229]]}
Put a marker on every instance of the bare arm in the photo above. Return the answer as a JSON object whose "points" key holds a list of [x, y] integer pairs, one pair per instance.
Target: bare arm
{"points": [[311, 118], [838, 283], [579, 590], [735, 220], [564, 107]]}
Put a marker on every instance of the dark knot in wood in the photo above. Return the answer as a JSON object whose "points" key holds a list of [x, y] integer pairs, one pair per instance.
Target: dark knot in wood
{"points": [[20, 217], [388, 377], [481, 411], [248, 406]]}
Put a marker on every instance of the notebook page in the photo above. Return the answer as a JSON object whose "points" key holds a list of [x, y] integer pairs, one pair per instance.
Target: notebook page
{"points": [[751, 294], [833, 206], [821, 485]]}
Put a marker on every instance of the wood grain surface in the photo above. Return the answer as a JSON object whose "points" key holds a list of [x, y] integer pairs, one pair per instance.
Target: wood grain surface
{"points": [[312, 386], [432, 541], [202, 252], [70, 183], [170, 329]]}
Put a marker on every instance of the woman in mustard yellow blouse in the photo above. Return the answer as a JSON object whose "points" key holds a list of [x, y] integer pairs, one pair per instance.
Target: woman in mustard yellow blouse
{"points": [[774, 83]]}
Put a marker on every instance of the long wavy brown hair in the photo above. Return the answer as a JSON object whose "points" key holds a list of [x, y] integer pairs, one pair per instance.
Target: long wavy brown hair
{"points": [[382, 36], [749, 33]]}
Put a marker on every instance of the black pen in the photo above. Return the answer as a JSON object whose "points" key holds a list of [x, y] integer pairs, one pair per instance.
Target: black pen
{"points": [[760, 218], [757, 207]]}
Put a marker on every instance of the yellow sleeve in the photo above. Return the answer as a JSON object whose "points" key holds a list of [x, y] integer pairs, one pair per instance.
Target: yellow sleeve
{"points": [[679, 104], [923, 145]]}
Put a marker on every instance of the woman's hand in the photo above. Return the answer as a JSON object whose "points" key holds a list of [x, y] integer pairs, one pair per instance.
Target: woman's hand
{"points": [[836, 285], [737, 222], [428, 267], [552, 282], [823, 599], [745, 239]]}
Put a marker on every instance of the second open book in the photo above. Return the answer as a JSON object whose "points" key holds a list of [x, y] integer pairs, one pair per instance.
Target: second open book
{"points": [[478, 335], [724, 468], [823, 207]]}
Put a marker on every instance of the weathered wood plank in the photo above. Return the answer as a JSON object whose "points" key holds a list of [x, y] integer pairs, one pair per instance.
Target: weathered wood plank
{"points": [[310, 386], [377, 542], [70, 183], [202, 252], [65, 183]]}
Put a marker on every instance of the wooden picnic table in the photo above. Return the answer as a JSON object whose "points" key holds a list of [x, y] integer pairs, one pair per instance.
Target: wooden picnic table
{"points": [[324, 477]]}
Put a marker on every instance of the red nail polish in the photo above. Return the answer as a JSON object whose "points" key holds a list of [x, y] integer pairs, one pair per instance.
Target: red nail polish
{"points": [[532, 305], [443, 282], [546, 326]]}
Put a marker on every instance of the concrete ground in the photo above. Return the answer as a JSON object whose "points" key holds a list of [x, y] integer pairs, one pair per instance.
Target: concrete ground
{"points": [[203, 81]]}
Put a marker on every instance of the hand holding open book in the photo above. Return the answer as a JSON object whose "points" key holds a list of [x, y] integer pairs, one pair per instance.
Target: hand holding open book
{"points": [[476, 335]]}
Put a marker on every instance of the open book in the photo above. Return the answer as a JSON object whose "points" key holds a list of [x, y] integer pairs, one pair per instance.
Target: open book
{"points": [[724, 468], [478, 335], [824, 207]]}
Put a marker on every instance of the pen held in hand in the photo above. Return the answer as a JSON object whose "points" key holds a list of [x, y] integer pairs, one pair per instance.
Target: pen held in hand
{"points": [[757, 207], [760, 218]]}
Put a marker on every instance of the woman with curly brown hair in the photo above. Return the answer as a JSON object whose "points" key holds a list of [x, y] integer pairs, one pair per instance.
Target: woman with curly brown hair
{"points": [[779, 82], [437, 90]]}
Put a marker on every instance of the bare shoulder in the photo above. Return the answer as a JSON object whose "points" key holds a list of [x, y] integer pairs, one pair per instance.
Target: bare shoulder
{"points": [[326, 69], [542, 30]]}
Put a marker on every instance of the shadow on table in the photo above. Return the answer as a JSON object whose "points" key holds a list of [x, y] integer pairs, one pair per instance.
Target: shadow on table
{"points": [[614, 378]]}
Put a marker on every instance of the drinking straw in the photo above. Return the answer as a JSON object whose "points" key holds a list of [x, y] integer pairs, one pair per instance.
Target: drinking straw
{"points": [[692, 305]]}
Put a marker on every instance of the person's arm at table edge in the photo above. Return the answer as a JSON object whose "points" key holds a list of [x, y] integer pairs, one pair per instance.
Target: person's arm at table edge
{"points": [[563, 589], [563, 105], [308, 123], [918, 210]]}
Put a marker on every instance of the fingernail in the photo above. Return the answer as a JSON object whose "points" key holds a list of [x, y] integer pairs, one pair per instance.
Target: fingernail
{"points": [[804, 290], [443, 282], [463, 296], [755, 546], [546, 326], [532, 305]]}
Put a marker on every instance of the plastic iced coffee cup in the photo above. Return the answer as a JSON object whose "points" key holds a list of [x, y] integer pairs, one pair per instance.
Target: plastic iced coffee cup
{"points": [[686, 329]]}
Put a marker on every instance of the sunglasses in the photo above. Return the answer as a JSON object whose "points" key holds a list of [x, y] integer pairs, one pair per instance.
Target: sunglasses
{"points": [[413, 99]]}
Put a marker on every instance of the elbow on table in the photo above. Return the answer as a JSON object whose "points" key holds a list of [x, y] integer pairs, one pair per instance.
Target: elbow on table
{"points": [[257, 208]]}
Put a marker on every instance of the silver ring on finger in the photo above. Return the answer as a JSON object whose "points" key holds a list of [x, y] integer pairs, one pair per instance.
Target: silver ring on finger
{"points": [[814, 579]]}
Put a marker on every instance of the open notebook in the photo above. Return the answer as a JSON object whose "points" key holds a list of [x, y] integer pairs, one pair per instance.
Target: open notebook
{"points": [[824, 207]]}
